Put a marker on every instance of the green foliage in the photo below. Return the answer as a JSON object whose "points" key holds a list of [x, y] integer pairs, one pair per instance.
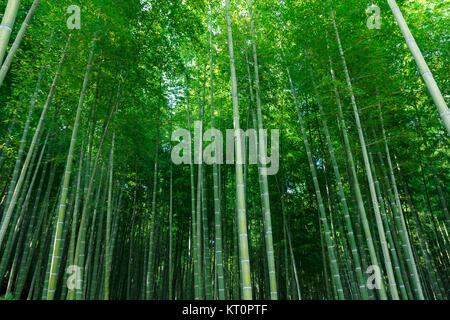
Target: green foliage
{"points": [[156, 51]]}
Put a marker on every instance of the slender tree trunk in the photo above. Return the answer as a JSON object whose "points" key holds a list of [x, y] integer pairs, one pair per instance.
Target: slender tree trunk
{"points": [[262, 170], [240, 191], [289, 244], [218, 258], [206, 248], [9, 17], [80, 247], [348, 222], [336, 278], [12, 51], [385, 250], [422, 65], [30, 153], [170, 235], [198, 154], [401, 219], [150, 271], [66, 179], [108, 246], [193, 216]]}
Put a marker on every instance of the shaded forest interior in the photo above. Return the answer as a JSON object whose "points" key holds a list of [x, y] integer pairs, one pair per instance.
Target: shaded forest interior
{"points": [[93, 205]]}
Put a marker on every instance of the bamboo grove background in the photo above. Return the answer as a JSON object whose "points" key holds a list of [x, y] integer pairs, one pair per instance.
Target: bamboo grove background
{"points": [[88, 187]]}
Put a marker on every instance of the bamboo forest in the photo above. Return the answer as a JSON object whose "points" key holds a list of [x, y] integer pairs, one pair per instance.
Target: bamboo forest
{"points": [[224, 150]]}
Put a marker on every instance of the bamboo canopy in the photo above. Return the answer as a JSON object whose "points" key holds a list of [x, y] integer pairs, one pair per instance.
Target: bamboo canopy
{"points": [[224, 150]]}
